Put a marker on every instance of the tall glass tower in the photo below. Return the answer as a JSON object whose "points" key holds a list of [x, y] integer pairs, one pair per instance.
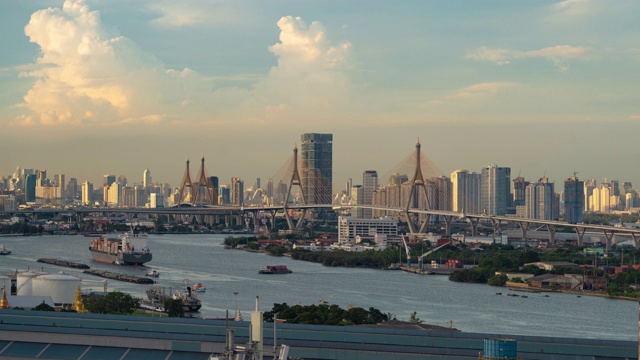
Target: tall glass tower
{"points": [[317, 167]]}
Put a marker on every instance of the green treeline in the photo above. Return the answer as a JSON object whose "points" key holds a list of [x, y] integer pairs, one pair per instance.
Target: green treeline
{"points": [[325, 314]]}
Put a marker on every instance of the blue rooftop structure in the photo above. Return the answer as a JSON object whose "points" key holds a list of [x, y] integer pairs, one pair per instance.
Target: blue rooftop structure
{"points": [[52, 335]]}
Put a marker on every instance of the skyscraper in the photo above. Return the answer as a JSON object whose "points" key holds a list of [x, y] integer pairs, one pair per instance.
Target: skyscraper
{"points": [[87, 193], [146, 178], [369, 185], [519, 191], [237, 191], [109, 179], [539, 200], [573, 200], [317, 168], [465, 191], [495, 194]]}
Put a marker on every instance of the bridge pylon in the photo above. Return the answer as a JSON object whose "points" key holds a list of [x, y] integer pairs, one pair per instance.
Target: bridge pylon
{"points": [[295, 180], [187, 186], [418, 183], [204, 192]]}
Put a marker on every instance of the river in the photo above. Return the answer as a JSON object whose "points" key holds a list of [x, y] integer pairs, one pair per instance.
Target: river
{"points": [[435, 299]]}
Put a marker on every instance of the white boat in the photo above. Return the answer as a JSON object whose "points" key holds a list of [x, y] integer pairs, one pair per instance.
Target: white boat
{"points": [[5, 251], [153, 273]]}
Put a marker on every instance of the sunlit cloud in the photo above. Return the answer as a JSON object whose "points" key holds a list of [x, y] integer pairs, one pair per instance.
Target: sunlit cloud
{"points": [[558, 55], [185, 13], [475, 92], [85, 75], [576, 8]]}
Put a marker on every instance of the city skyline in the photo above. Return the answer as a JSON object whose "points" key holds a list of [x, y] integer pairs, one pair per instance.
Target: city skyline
{"points": [[93, 88]]}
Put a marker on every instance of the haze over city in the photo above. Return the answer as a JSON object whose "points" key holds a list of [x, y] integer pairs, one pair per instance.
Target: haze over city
{"points": [[89, 88]]}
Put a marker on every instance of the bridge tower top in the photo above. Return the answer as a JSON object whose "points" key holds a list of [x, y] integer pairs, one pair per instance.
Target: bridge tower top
{"points": [[187, 184], [418, 178]]}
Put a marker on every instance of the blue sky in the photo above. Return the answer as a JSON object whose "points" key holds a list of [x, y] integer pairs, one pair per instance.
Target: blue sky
{"points": [[95, 87]]}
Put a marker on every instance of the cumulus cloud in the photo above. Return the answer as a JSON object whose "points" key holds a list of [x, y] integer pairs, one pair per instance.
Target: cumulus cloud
{"points": [[558, 55], [311, 71], [575, 8], [85, 75]]}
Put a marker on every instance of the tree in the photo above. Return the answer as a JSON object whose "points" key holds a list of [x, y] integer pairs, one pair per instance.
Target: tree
{"points": [[174, 307], [498, 280], [43, 307], [115, 302]]}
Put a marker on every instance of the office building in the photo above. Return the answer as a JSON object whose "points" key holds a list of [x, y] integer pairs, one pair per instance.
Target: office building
{"points": [[357, 198], [156, 200], [146, 178], [519, 191], [465, 191], [109, 179], [589, 186], [369, 185], [539, 200], [224, 195], [237, 191], [30, 181], [573, 200], [495, 194], [443, 194], [317, 168], [87, 193], [349, 228]]}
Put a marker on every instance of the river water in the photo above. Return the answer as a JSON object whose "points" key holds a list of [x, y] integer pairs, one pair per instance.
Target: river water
{"points": [[435, 299]]}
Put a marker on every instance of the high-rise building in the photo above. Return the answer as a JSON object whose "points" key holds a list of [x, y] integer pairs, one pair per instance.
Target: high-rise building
{"points": [[87, 193], [357, 198], [317, 168], [270, 190], [72, 189], [539, 200], [495, 194], [348, 188], [237, 191], [573, 200], [146, 178], [109, 179], [30, 181], [443, 194], [224, 195], [465, 191], [369, 185], [589, 186], [156, 200], [519, 191]]}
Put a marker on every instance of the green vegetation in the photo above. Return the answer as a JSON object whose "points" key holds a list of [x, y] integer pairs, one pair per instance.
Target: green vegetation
{"points": [[325, 314], [498, 280], [115, 302], [242, 240], [21, 228], [43, 307], [368, 258], [174, 307]]}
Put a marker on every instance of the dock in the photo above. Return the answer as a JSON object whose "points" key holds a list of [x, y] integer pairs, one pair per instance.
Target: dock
{"points": [[120, 277]]}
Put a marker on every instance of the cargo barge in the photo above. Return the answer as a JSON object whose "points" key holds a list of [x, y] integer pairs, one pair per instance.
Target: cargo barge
{"points": [[120, 277], [65, 263]]}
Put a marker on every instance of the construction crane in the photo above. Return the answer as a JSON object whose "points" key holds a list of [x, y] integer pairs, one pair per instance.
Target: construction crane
{"points": [[406, 248], [421, 258]]}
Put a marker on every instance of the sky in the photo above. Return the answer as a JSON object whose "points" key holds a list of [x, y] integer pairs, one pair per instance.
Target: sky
{"points": [[98, 87]]}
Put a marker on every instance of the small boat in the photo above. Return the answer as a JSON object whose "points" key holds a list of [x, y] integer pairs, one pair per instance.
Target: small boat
{"points": [[498, 293], [275, 269], [153, 273], [5, 251], [524, 296], [198, 287]]}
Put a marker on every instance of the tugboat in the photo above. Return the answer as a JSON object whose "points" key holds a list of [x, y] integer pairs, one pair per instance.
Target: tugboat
{"points": [[198, 287], [275, 269], [157, 296]]}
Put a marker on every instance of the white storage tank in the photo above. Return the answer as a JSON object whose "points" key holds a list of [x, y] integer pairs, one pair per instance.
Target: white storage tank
{"points": [[24, 282], [60, 287]]}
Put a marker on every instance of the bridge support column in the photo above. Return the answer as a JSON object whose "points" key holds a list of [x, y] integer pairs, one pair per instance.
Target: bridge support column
{"points": [[608, 235], [635, 240], [552, 234], [474, 226], [412, 228], [273, 219], [524, 226], [423, 227], [496, 225], [580, 233], [447, 225]]}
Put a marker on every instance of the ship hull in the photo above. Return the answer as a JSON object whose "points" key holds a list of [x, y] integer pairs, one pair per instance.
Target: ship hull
{"points": [[125, 259]]}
